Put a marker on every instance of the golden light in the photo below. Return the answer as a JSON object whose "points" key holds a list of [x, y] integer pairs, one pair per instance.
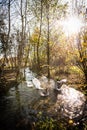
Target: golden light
{"points": [[72, 25]]}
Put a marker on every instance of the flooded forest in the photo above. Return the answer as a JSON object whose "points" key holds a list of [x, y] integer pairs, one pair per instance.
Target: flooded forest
{"points": [[43, 64]]}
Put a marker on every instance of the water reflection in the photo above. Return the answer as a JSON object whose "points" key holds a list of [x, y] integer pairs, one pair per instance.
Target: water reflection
{"points": [[70, 102], [21, 104]]}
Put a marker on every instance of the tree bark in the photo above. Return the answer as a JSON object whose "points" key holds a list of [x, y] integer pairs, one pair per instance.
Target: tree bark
{"points": [[9, 27], [39, 37], [48, 39]]}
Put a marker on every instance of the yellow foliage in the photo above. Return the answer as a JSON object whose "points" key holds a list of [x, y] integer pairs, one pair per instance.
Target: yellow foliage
{"points": [[75, 69], [35, 37], [70, 121], [84, 44], [81, 59], [85, 57]]}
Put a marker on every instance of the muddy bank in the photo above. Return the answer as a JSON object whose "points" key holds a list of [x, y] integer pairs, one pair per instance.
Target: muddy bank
{"points": [[7, 80]]}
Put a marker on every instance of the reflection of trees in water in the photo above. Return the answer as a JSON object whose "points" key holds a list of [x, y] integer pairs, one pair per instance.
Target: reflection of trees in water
{"points": [[22, 109], [17, 96], [23, 114], [27, 111], [44, 103], [20, 115]]}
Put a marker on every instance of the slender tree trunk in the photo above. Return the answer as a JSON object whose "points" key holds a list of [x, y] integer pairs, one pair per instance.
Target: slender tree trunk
{"points": [[39, 37], [9, 18], [34, 54], [25, 18], [27, 56], [86, 76], [27, 53], [21, 44], [22, 34], [9, 26], [25, 40], [48, 39]]}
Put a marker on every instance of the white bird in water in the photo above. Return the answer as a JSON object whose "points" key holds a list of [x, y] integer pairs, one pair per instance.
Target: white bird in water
{"points": [[37, 83]]}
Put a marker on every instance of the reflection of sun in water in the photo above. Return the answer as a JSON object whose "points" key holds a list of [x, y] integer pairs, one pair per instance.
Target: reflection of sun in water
{"points": [[71, 25]]}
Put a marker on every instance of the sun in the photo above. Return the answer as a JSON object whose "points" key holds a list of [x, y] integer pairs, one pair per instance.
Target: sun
{"points": [[72, 25]]}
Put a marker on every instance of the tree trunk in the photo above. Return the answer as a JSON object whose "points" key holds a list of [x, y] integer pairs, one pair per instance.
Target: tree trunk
{"points": [[9, 26], [48, 39], [38, 59], [22, 34], [86, 77], [21, 43]]}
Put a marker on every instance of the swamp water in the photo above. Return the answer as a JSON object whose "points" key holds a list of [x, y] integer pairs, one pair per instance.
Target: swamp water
{"points": [[23, 104]]}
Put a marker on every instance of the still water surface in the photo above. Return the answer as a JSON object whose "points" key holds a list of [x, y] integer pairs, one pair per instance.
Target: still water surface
{"points": [[22, 102]]}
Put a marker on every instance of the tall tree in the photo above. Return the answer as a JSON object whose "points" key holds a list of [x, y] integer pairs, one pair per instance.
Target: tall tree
{"points": [[21, 37], [39, 37], [48, 40]]}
